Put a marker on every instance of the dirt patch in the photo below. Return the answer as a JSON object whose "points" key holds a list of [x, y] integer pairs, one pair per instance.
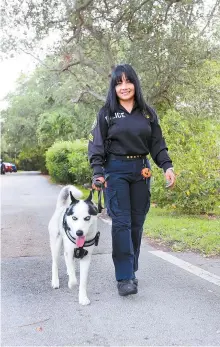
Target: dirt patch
{"points": [[157, 244]]}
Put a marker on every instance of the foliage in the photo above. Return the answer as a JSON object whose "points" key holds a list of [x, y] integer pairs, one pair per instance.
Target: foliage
{"points": [[31, 159], [162, 39], [78, 161], [21, 118], [194, 150], [167, 42], [174, 47], [57, 161], [41, 112], [19, 122], [199, 95], [67, 162], [53, 125]]}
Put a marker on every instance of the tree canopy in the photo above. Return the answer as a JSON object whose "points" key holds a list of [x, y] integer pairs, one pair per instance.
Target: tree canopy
{"points": [[172, 44], [161, 39]]}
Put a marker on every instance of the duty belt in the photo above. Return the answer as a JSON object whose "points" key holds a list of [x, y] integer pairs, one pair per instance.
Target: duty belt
{"points": [[126, 157]]}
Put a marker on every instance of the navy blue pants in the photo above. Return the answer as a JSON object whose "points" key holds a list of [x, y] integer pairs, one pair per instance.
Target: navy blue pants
{"points": [[127, 201]]}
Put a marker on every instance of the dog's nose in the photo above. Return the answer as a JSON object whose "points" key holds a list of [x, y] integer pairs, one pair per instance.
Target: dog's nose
{"points": [[79, 233]]}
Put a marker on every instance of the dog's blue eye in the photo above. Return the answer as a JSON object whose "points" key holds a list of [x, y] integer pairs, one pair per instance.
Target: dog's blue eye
{"points": [[74, 218], [87, 218]]}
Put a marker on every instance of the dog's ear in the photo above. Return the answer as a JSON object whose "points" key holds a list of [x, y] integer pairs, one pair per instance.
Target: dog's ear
{"points": [[89, 197], [74, 201]]}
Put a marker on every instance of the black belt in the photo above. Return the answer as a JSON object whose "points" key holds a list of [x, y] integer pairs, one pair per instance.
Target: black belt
{"points": [[125, 157]]}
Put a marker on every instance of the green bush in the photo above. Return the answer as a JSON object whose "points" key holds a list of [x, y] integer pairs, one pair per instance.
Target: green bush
{"points": [[194, 150], [31, 159], [79, 165], [67, 162], [57, 161]]}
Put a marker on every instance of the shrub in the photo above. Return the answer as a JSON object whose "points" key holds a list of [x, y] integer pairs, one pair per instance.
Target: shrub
{"points": [[79, 165], [57, 161], [67, 162], [194, 151], [31, 159]]}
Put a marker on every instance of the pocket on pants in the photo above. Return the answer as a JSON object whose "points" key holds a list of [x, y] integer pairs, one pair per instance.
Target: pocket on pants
{"points": [[112, 202], [147, 207]]}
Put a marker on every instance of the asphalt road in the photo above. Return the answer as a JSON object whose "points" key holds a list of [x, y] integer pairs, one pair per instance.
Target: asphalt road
{"points": [[173, 307]]}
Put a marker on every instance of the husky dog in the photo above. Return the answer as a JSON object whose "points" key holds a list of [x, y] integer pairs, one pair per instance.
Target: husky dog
{"points": [[73, 224]]}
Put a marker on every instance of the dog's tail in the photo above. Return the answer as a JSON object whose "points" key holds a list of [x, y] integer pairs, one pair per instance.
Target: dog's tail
{"points": [[64, 196]]}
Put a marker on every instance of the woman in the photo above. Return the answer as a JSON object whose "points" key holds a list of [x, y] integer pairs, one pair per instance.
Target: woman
{"points": [[126, 131]]}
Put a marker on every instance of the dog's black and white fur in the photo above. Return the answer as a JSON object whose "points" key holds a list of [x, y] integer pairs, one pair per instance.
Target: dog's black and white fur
{"points": [[79, 217]]}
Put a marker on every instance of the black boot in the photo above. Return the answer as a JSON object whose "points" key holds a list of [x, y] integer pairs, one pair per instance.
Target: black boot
{"points": [[126, 287], [135, 281]]}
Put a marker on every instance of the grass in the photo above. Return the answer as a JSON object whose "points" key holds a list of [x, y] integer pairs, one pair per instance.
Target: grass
{"points": [[183, 232], [180, 232]]}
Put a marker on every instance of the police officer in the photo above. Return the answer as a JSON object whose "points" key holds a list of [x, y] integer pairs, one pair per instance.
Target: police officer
{"points": [[125, 132]]}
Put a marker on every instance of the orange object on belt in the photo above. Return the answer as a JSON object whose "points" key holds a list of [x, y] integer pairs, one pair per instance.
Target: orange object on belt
{"points": [[146, 173]]}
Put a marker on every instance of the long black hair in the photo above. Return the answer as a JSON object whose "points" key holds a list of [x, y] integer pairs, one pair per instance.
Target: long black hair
{"points": [[116, 77]]}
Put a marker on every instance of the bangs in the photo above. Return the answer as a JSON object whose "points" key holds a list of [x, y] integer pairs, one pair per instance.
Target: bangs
{"points": [[119, 72]]}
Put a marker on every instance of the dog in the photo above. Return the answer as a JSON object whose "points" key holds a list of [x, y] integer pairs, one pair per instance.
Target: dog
{"points": [[73, 224]]}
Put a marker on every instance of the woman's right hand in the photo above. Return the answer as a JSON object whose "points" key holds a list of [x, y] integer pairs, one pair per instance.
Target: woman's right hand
{"points": [[100, 179]]}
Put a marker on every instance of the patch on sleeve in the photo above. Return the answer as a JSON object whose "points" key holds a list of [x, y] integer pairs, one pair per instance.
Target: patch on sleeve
{"points": [[91, 137], [147, 116]]}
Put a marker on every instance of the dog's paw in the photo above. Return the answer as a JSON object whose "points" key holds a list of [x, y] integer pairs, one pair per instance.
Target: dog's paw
{"points": [[55, 284], [72, 283], [84, 301]]}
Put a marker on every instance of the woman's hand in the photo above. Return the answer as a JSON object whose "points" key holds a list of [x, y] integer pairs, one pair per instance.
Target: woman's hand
{"points": [[170, 178], [100, 179]]}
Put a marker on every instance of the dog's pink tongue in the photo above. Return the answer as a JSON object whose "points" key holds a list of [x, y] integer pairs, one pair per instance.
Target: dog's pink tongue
{"points": [[80, 240]]}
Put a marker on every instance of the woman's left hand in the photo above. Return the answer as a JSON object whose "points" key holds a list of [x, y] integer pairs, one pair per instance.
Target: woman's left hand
{"points": [[170, 178]]}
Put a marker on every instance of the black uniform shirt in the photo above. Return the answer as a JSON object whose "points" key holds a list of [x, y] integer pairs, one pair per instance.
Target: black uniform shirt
{"points": [[127, 134]]}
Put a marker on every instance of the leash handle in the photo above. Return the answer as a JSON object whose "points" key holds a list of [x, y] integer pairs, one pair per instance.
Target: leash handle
{"points": [[100, 208], [100, 185]]}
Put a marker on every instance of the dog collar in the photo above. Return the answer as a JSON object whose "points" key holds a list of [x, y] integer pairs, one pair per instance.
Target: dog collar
{"points": [[88, 243]]}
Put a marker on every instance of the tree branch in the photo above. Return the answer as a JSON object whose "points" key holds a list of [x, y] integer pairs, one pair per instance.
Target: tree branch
{"points": [[97, 96], [210, 17], [66, 68], [79, 98], [189, 20], [167, 10], [93, 66], [38, 59], [88, 91], [133, 11], [84, 6], [51, 22]]}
